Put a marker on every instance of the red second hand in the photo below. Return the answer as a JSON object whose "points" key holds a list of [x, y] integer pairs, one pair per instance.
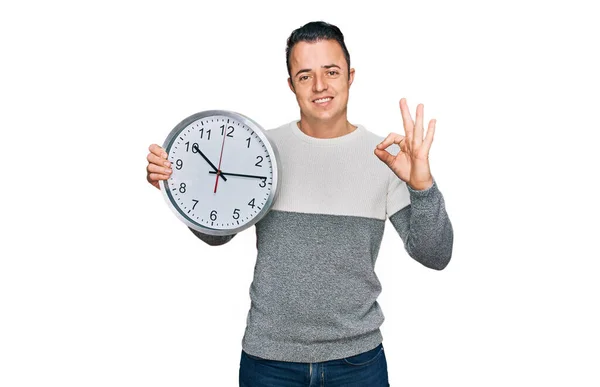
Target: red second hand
{"points": [[220, 159]]}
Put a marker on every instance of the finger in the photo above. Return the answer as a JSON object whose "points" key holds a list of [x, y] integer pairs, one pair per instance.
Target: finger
{"points": [[392, 138], [404, 145], [406, 118], [156, 177], [153, 182], [157, 150], [385, 156], [418, 130], [430, 133], [158, 160], [153, 168]]}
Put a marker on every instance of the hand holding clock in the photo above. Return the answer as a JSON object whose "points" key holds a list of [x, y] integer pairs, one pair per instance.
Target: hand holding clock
{"points": [[159, 168], [411, 164]]}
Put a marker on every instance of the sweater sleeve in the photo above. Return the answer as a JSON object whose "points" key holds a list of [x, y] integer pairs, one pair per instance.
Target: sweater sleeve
{"points": [[213, 240], [423, 223]]}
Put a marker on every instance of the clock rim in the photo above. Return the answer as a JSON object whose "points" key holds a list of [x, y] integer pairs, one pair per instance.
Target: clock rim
{"points": [[271, 149]]}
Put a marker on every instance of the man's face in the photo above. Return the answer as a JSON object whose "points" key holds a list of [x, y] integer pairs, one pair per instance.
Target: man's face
{"points": [[319, 78]]}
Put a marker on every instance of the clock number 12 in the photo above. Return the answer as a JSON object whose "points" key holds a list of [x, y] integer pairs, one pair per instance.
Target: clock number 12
{"points": [[230, 128]]}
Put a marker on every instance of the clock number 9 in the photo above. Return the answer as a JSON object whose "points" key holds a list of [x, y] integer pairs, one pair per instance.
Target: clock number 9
{"points": [[213, 215], [179, 164]]}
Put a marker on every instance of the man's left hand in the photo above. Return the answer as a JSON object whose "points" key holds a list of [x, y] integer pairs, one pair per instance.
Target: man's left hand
{"points": [[411, 164]]}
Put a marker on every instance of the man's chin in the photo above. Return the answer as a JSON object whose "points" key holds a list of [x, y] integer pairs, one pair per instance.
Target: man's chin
{"points": [[324, 115]]}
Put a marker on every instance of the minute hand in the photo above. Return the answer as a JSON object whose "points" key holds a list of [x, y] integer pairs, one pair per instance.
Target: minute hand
{"points": [[239, 174], [208, 161]]}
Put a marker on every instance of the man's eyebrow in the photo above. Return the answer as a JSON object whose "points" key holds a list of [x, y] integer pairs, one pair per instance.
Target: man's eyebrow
{"points": [[324, 66], [303, 71]]}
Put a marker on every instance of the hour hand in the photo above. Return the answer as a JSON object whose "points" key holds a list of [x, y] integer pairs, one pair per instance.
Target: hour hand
{"points": [[238, 174], [195, 146]]}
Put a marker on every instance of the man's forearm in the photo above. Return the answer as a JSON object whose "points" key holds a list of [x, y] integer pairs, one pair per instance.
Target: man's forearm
{"points": [[425, 228]]}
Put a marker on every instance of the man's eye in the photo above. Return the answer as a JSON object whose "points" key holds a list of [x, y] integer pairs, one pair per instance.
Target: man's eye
{"points": [[333, 72], [303, 78]]}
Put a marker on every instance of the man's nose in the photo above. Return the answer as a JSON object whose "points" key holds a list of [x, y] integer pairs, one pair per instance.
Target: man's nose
{"points": [[319, 84]]}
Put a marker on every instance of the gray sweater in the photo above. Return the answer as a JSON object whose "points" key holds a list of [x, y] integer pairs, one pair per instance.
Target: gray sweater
{"points": [[314, 292]]}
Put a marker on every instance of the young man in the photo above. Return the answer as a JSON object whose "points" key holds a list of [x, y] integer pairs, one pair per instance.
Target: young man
{"points": [[314, 318]]}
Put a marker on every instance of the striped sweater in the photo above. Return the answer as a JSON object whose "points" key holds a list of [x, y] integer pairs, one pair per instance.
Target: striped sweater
{"points": [[314, 292]]}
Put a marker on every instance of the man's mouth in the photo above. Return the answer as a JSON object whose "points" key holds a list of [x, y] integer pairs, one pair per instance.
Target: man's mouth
{"points": [[323, 100]]}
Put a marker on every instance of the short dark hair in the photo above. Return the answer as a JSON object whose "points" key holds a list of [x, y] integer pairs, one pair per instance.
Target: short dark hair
{"points": [[313, 32]]}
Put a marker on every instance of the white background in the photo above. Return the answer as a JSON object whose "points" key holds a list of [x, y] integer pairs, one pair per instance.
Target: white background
{"points": [[100, 284]]}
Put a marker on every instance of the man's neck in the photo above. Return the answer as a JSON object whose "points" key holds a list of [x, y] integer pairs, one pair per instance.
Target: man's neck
{"points": [[325, 129]]}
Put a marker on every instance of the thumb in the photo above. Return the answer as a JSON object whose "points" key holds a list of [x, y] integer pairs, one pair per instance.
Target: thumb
{"points": [[385, 156]]}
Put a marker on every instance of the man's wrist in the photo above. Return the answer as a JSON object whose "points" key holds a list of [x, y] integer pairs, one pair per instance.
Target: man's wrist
{"points": [[421, 186]]}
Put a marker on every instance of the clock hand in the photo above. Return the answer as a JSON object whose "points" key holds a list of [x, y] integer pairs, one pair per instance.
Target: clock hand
{"points": [[237, 174], [218, 170], [207, 160]]}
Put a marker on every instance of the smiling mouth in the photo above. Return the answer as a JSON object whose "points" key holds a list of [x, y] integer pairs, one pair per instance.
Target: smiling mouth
{"points": [[323, 100]]}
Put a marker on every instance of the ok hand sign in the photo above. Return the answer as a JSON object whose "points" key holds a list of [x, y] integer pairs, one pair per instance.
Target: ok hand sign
{"points": [[411, 164]]}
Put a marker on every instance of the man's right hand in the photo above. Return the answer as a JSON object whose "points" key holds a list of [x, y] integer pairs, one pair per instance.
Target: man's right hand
{"points": [[159, 168]]}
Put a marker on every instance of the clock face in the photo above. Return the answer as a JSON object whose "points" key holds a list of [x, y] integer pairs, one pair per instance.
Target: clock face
{"points": [[224, 172]]}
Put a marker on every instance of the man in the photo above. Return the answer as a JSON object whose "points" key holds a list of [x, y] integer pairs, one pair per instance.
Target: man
{"points": [[314, 318]]}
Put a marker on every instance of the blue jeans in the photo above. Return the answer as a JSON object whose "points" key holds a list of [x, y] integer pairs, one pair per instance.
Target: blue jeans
{"points": [[367, 369]]}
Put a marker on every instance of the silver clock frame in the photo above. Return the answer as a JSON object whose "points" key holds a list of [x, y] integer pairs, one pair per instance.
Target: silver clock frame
{"points": [[260, 132]]}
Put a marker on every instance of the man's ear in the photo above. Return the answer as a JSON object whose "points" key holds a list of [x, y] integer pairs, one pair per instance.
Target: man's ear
{"points": [[350, 77], [291, 85]]}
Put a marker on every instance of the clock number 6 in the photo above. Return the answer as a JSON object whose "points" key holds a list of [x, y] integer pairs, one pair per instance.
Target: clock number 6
{"points": [[213, 215]]}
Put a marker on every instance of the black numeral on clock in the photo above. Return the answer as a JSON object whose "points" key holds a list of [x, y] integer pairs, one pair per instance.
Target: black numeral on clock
{"points": [[213, 215], [182, 187], [236, 213], [194, 147], [179, 164], [263, 182], [230, 128], [202, 133], [251, 203], [260, 160], [195, 202]]}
